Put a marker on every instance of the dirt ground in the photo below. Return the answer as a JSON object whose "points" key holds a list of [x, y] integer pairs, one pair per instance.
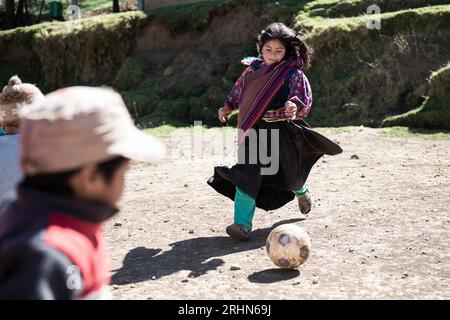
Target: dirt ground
{"points": [[380, 226]]}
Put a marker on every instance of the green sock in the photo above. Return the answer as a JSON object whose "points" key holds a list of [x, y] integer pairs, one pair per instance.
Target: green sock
{"points": [[301, 192], [244, 209]]}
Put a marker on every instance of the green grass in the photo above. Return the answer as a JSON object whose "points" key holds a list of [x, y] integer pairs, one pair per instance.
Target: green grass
{"points": [[400, 18], [407, 132], [187, 17], [166, 130], [435, 110], [359, 76], [350, 8], [91, 5], [86, 6], [334, 130], [373, 70]]}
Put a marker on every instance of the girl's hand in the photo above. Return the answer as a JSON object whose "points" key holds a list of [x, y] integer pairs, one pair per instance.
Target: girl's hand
{"points": [[223, 113], [290, 109]]}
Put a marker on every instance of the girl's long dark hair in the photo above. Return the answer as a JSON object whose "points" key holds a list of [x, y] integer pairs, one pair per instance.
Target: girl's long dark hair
{"points": [[292, 41]]}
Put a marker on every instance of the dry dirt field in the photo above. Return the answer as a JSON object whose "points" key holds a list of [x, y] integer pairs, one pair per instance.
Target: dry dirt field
{"points": [[380, 225]]}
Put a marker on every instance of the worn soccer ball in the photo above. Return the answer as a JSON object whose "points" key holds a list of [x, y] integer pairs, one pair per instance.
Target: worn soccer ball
{"points": [[288, 246]]}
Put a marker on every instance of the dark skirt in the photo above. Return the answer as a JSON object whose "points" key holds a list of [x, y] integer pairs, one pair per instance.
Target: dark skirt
{"points": [[299, 149]]}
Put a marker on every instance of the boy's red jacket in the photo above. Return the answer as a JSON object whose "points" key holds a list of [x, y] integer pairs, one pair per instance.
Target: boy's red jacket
{"points": [[51, 247]]}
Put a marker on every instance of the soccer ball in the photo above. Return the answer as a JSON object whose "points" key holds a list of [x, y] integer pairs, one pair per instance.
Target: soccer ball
{"points": [[288, 246]]}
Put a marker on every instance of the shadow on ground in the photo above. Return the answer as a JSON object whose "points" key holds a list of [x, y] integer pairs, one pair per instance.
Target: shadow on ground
{"points": [[141, 264], [273, 275]]}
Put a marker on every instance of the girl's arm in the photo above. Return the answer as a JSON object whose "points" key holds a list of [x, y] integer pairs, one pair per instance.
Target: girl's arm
{"points": [[232, 100], [300, 93]]}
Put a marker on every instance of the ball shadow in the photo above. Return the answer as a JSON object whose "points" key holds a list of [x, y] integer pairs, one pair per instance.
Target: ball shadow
{"points": [[273, 275]]}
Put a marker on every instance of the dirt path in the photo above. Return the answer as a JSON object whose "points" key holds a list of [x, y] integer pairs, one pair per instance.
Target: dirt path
{"points": [[380, 227]]}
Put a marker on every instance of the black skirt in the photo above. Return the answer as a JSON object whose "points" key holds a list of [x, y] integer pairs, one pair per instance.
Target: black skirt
{"points": [[299, 149]]}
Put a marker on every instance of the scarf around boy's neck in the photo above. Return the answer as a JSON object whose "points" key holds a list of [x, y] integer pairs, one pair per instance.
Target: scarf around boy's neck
{"points": [[259, 88]]}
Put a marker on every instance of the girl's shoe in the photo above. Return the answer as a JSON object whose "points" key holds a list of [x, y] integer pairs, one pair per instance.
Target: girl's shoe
{"points": [[304, 203], [238, 232]]}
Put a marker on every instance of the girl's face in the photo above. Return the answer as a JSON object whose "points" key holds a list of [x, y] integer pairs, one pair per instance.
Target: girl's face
{"points": [[273, 51]]}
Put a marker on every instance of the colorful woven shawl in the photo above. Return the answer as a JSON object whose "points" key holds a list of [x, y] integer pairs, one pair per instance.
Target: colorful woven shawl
{"points": [[260, 87]]}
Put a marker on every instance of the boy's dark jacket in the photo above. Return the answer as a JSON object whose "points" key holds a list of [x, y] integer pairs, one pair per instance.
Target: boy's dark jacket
{"points": [[51, 247]]}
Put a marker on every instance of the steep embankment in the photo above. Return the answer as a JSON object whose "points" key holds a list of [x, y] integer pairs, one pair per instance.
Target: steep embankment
{"points": [[177, 63]]}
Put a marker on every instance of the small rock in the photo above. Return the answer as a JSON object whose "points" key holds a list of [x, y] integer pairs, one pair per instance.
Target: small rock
{"points": [[351, 250], [354, 156], [186, 185], [118, 224], [405, 275], [185, 280], [153, 277], [318, 11], [296, 283], [376, 257], [191, 231], [168, 71], [165, 221], [315, 281], [363, 176], [132, 286], [314, 274], [235, 267], [115, 286]]}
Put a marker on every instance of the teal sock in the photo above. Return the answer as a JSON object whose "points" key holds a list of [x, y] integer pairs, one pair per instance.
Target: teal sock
{"points": [[244, 209], [301, 192]]}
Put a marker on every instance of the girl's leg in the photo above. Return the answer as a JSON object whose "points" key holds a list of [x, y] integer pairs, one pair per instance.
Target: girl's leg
{"points": [[244, 209], [304, 200], [302, 191]]}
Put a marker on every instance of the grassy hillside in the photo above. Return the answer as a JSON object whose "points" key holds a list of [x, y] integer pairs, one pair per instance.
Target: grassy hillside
{"points": [[435, 110], [177, 63]]}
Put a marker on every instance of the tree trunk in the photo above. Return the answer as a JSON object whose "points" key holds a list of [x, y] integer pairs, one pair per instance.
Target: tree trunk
{"points": [[19, 13], [116, 7], [10, 20]]}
